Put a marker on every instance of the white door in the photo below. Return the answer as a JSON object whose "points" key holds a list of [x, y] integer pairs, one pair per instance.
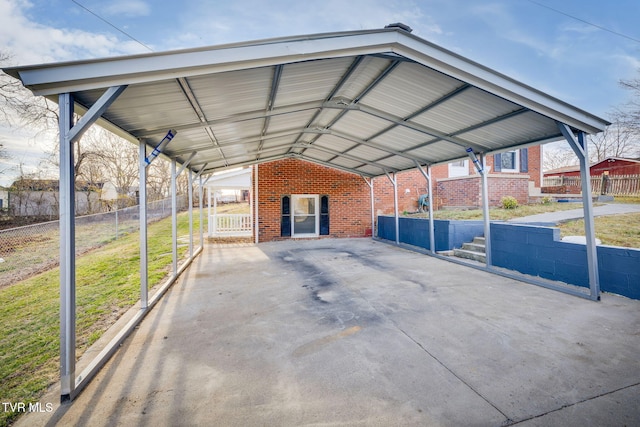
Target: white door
{"points": [[305, 221]]}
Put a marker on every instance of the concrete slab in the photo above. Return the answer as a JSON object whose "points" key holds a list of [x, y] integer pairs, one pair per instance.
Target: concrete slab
{"points": [[358, 332]]}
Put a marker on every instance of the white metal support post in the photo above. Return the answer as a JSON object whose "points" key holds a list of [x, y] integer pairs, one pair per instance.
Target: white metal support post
{"points": [[69, 133], [200, 196], [485, 211], [427, 176], [371, 197], [481, 167], [142, 191], [190, 191], [67, 252], [256, 217], [394, 181], [579, 147], [174, 219]]}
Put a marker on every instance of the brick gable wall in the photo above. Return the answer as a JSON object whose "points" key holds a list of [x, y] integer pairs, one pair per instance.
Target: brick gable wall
{"points": [[349, 197]]}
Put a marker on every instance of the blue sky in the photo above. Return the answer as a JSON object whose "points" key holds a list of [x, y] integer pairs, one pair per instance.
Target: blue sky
{"points": [[565, 57]]}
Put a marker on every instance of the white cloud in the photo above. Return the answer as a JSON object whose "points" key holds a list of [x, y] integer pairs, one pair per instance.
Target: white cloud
{"points": [[31, 42], [128, 8]]}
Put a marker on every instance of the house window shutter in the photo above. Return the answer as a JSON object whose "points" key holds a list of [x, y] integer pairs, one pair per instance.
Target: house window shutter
{"points": [[497, 162], [285, 222], [324, 215], [524, 160]]}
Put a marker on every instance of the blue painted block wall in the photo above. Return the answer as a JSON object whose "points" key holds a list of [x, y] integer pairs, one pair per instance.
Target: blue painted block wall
{"points": [[529, 249], [415, 231], [538, 251]]}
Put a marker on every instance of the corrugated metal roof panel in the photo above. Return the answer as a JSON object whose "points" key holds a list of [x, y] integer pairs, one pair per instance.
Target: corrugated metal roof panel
{"points": [[439, 151], [368, 70], [409, 88], [225, 94], [360, 125], [365, 152], [312, 80], [401, 138], [524, 128]]}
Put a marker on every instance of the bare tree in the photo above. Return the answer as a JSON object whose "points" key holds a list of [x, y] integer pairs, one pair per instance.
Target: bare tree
{"points": [[556, 157], [629, 113], [617, 140]]}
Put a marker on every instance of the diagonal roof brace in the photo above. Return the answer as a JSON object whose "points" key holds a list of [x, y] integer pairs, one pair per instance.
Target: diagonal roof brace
{"points": [[186, 163], [94, 113]]}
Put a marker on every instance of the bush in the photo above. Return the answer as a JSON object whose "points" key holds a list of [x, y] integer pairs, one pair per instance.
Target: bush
{"points": [[509, 202], [546, 200]]}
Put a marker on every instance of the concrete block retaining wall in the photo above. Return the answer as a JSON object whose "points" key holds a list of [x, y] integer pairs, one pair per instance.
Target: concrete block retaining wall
{"points": [[529, 249], [538, 251], [415, 231]]}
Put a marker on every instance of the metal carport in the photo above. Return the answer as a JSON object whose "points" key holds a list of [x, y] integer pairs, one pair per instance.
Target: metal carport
{"points": [[372, 102]]}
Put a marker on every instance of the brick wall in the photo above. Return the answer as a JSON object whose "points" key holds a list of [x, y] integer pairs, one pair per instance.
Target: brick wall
{"points": [[467, 191], [407, 200], [349, 197]]}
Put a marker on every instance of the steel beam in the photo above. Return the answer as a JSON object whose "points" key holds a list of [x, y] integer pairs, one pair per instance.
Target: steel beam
{"points": [[580, 148]]}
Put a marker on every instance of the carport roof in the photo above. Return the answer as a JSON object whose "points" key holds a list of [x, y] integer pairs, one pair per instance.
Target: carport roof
{"points": [[368, 102]]}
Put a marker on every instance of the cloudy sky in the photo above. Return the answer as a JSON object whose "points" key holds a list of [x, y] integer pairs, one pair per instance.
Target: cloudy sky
{"points": [[576, 50]]}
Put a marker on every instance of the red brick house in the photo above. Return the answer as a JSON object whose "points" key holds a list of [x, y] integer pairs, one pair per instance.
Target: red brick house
{"points": [[515, 173], [298, 199]]}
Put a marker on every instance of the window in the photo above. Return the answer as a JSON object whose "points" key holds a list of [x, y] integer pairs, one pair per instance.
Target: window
{"points": [[305, 220], [511, 161], [459, 168]]}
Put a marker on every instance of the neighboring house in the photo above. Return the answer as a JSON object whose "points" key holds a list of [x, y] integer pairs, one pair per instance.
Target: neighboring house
{"points": [[516, 173], [40, 197], [612, 166], [611, 176]]}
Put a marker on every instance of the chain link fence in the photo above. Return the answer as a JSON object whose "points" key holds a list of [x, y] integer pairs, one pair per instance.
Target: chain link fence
{"points": [[32, 249]]}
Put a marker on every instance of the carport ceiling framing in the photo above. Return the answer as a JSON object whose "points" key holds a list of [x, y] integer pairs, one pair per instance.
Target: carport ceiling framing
{"points": [[368, 102]]}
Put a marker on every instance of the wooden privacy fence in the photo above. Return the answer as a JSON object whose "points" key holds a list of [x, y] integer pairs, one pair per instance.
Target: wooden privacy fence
{"points": [[614, 185]]}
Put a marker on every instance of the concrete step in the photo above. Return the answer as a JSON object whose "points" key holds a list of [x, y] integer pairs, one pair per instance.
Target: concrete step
{"points": [[476, 256], [474, 247], [478, 240]]}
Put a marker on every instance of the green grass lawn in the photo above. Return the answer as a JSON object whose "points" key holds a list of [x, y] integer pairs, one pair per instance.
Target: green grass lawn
{"points": [[107, 284]]}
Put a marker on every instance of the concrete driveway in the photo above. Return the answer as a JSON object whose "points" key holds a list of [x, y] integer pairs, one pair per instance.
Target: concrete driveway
{"points": [[356, 332]]}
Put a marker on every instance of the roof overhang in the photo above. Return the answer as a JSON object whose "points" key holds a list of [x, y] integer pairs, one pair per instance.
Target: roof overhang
{"points": [[368, 102]]}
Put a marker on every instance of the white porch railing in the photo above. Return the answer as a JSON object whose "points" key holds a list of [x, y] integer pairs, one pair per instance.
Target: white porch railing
{"points": [[231, 225]]}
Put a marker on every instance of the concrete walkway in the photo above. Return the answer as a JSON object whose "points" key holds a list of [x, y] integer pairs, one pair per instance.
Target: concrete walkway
{"points": [[561, 216], [355, 332]]}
